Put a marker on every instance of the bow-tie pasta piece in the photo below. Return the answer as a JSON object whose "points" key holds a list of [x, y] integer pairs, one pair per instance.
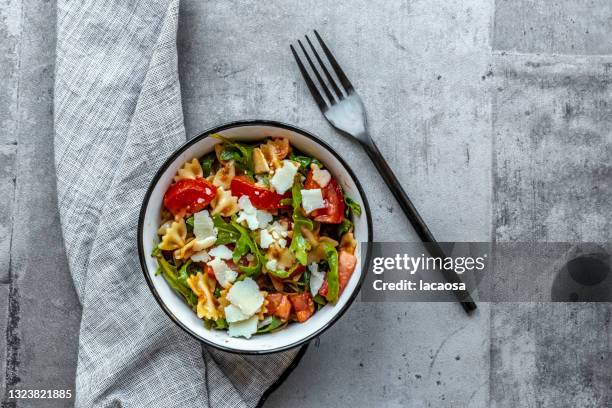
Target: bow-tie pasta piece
{"points": [[224, 176], [275, 151], [174, 235], [193, 246], [224, 203], [202, 287], [190, 170]]}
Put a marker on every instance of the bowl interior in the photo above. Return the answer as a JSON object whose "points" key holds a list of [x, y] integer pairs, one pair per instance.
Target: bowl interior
{"points": [[294, 334]]}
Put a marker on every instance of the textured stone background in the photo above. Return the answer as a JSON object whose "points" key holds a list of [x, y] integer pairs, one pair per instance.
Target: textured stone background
{"points": [[496, 117]]}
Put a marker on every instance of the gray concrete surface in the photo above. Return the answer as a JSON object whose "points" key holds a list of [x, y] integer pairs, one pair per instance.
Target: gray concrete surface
{"points": [[491, 142], [553, 26], [40, 315]]}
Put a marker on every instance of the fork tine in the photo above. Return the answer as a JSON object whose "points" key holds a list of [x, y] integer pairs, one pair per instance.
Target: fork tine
{"points": [[311, 86], [330, 98], [330, 79], [341, 76]]}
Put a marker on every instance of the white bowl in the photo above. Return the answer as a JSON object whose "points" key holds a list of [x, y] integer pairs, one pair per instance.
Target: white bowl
{"points": [[296, 333]]}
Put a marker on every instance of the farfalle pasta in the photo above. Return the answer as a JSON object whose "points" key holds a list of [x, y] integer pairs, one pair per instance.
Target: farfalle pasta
{"points": [[206, 307], [173, 236], [190, 170], [224, 176], [193, 246], [256, 236], [224, 203]]}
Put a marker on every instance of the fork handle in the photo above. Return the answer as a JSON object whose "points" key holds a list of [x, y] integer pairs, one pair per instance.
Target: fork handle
{"points": [[417, 221]]}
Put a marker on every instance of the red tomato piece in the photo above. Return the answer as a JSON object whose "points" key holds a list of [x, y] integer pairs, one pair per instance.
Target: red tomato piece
{"points": [[189, 196], [261, 197], [323, 289], [210, 272], [333, 213], [303, 306], [346, 267], [278, 305]]}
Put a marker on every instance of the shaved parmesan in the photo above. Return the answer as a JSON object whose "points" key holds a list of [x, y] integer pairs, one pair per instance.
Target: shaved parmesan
{"points": [[234, 314], [246, 295], [203, 226], [312, 200], [244, 328], [201, 256], [280, 229], [322, 177], [265, 239], [271, 265], [316, 278], [264, 218], [221, 251], [223, 273], [283, 177], [274, 234], [265, 322], [254, 218]]}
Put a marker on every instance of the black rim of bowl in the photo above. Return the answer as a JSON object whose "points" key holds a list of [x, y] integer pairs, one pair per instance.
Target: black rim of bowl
{"points": [[195, 140]]}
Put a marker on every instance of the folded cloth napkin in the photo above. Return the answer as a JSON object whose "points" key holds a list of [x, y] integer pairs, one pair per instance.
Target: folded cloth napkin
{"points": [[118, 116]]}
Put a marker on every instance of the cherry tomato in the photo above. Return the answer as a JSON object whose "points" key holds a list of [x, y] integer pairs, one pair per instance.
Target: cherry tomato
{"points": [[278, 305], [189, 196], [346, 267], [261, 197], [303, 306], [333, 213]]}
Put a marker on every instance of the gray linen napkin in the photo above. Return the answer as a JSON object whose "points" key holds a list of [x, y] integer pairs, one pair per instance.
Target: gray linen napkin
{"points": [[118, 116]]}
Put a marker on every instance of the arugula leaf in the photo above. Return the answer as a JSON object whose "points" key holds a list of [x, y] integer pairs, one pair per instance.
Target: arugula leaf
{"points": [[231, 154], [226, 233], [320, 300], [170, 275], [189, 221], [333, 279], [274, 324], [304, 161], [220, 324], [182, 273], [217, 292], [351, 207], [305, 278], [241, 153], [279, 273], [156, 252], [344, 227], [299, 245], [207, 162], [265, 179], [286, 201], [244, 245]]}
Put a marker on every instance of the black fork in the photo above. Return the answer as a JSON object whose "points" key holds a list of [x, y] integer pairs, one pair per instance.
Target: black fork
{"points": [[343, 108]]}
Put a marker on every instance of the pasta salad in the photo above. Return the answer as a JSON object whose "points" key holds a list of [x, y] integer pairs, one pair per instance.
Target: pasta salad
{"points": [[255, 236]]}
